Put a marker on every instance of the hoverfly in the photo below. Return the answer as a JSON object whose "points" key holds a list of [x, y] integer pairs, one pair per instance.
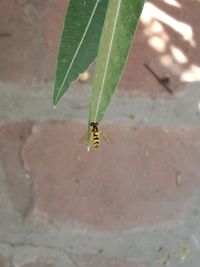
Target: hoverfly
{"points": [[94, 136]]}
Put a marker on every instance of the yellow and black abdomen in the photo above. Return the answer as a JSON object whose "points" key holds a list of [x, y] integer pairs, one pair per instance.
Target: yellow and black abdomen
{"points": [[96, 140], [95, 134]]}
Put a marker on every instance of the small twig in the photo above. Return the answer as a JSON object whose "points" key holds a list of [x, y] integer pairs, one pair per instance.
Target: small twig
{"points": [[163, 81]]}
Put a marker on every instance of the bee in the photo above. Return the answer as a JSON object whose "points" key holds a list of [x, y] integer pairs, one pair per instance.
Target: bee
{"points": [[95, 134]]}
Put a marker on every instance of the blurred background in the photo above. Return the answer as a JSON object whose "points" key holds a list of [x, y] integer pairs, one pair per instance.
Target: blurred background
{"points": [[133, 203]]}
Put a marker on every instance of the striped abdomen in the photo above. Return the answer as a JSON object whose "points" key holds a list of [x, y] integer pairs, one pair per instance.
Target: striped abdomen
{"points": [[96, 140]]}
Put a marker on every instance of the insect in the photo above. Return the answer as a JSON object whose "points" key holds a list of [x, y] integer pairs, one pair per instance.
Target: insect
{"points": [[95, 134]]}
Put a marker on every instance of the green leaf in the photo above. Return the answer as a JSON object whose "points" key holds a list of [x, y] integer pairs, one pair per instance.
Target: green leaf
{"points": [[120, 25], [79, 41]]}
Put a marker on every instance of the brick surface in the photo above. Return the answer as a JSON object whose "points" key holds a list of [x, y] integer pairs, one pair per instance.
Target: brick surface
{"points": [[30, 30], [29, 34], [100, 260], [146, 177], [88, 260], [12, 138], [160, 44], [4, 261], [106, 207], [40, 263]]}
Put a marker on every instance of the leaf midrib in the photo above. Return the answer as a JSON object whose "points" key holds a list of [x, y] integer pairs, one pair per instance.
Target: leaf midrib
{"points": [[77, 50], [107, 61]]}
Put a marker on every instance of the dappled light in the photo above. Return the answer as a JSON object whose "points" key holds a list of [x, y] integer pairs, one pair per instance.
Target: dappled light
{"points": [[151, 12], [178, 55], [191, 74], [157, 43], [166, 49], [173, 3], [171, 34]]}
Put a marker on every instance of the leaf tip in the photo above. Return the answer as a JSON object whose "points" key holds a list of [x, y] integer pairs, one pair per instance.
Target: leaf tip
{"points": [[88, 147], [56, 98]]}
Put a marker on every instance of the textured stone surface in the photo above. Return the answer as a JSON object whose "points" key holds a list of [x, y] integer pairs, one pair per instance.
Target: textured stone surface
{"points": [[129, 183], [87, 261], [4, 261], [41, 263], [100, 260]]}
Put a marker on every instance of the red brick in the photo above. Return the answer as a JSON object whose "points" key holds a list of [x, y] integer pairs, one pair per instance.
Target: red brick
{"points": [[136, 77], [34, 28], [4, 261], [18, 182], [128, 184]]}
